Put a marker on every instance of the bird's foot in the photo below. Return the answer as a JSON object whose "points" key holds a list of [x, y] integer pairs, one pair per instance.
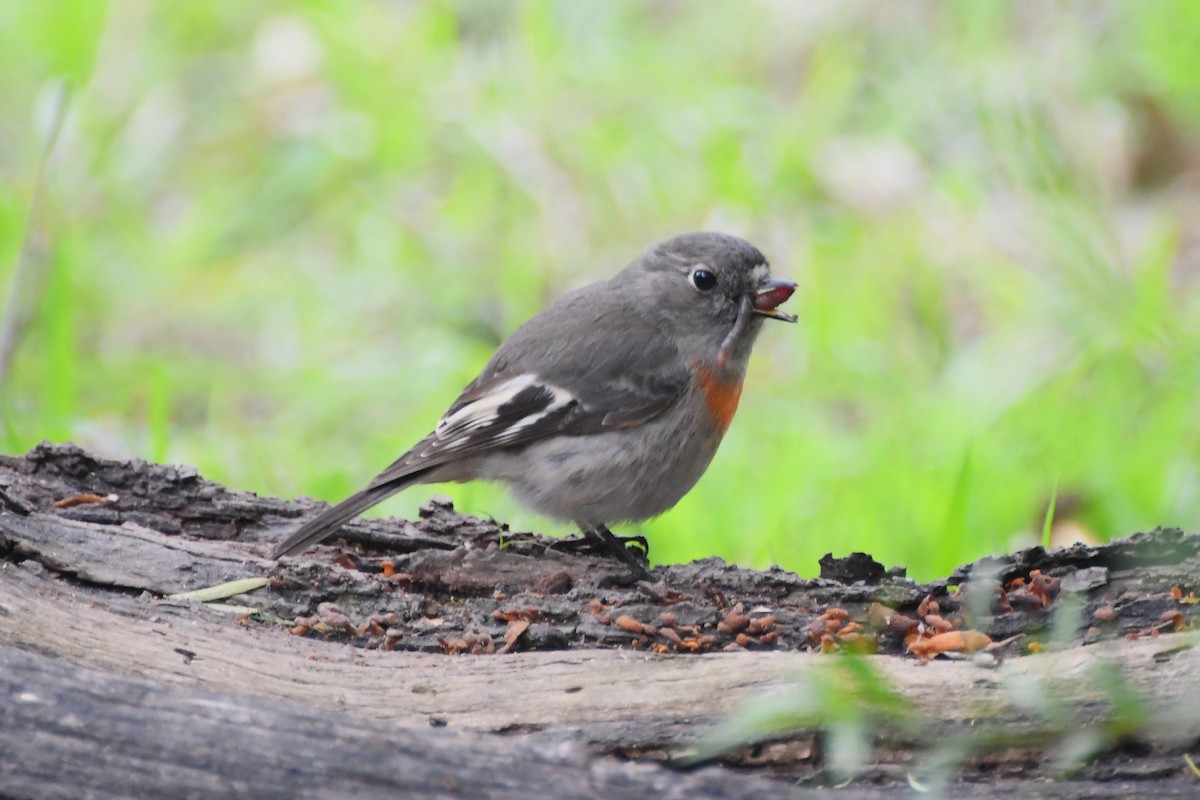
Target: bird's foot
{"points": [[589, 544], [633, 551]]}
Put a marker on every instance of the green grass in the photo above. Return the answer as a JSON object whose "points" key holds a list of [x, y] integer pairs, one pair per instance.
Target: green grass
{"points": [[285, 235], [1075, 720]]}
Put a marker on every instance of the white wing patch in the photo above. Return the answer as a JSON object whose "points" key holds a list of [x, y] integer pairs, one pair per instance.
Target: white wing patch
{"points": [[487, 419], [482, 412], [561, 398]]}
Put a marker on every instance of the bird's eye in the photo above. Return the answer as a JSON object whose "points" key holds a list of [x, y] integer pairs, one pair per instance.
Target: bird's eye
{"points": [[703, 279]]}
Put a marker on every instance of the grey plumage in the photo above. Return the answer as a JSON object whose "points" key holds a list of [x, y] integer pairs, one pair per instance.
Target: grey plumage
{"points": [[592, 410]]}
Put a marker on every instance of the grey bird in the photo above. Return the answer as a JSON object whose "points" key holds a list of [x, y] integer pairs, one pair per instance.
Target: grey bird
{"points": [[609, 404]]}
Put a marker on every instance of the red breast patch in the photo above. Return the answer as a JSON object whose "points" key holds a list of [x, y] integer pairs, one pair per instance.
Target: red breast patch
{"points": [[721, 396]]}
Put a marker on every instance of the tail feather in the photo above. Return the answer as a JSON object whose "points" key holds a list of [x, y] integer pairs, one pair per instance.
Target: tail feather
{"points": [[331, 519]]}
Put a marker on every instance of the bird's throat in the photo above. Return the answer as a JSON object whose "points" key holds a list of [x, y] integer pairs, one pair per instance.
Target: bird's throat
{"points": [[744, 315]]}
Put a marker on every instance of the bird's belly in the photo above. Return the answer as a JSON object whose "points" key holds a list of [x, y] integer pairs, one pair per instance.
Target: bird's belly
{"points": [[622, 476]]}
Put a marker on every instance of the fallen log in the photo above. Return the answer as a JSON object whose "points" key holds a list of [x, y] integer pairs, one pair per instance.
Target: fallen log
{"points": [[396, 635]]}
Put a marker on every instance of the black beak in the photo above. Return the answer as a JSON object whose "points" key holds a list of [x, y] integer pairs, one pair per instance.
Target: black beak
{"points": [[770, 296]]}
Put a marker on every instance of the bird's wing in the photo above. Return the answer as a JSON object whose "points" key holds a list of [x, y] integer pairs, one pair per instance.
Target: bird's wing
{"points": [[608, 369]]}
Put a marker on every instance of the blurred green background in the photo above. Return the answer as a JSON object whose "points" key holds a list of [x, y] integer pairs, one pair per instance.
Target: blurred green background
{"points": [[275, 239]]}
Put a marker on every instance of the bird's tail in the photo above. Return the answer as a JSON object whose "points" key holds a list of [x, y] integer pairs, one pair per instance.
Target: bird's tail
{"points": [[328, 521]]}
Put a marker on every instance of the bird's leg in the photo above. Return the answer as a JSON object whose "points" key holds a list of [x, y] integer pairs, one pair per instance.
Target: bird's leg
{"points": [[637, 560], [599, 539], [637, 543], [598, 544]]}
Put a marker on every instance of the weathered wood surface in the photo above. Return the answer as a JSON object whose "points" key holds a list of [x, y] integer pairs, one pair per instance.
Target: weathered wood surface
{"points": [[76, 733], [82, 586]]}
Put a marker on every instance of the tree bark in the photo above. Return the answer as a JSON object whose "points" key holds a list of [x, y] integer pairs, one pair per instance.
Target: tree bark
{"points": [[339, 676]]}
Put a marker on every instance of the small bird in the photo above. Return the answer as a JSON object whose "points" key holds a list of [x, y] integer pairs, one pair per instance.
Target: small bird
{"points": [[609, 404]]}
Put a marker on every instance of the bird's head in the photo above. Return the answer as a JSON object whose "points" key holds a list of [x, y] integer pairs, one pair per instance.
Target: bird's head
{"points": [[710, 292]]}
